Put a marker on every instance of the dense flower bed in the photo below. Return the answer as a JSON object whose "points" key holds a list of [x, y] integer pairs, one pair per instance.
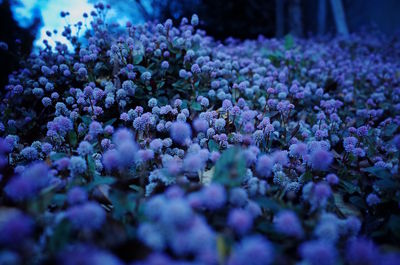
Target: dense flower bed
{"points": [[155, 144]]}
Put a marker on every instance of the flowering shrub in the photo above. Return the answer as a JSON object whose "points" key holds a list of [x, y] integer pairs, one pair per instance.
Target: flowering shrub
{"points": [[155, 144]]}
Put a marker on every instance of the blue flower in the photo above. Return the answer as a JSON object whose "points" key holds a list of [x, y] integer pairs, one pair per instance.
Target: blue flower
{"points": [[318, 253], [264, 166], [180, 132], [77, 165], [15, 227], [321, 159], [34, 178], [240, 221], [77, 195], [213, 196], [89, 215], [287, 223], [85, 148], [361, 251], [29, 153], [253, 250]]}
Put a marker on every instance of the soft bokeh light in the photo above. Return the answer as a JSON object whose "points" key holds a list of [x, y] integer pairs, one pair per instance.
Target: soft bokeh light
{"points": [[50, 13]]}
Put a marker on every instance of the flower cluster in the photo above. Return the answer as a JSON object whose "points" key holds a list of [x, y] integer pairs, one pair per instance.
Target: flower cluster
{"points": [[155, 144]]}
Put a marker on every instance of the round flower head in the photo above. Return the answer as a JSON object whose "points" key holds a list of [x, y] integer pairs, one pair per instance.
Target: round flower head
{"points": [[373, 199], [15, 227], [76, 195], [29, 153], [85, 148], [77, 165], [318, 253], [332, 179], [280, 157], [362, 251], [264, 166], [238, 197], [254, 250], [286, 222], [89, 215], [240, 221], [95, 128], [321, 159], [200, 125], [213, 196], [180, 132], [34, 178]]}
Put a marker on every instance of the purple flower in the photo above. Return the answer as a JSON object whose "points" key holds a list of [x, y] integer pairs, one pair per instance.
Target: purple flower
{"points": [[95, 128], [332, 179], [280, 157], [298, 149], [34, 178], [240, 221], [349, 143], [213, 196], [254, 250], [15, 227], [180, 132], [77, 195], [77, 165], [193, 163], [238, 197], [318, 253], [89, 215], [156, 145], [200, 125], [286, 222], [361, 251], [264, 166], [29, 153], [373, 199], [321, 159], [85, 148]]}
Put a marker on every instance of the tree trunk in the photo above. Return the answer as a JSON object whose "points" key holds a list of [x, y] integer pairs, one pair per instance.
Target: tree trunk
{"points": [[295, 19], [340, 18], [321, 27]]}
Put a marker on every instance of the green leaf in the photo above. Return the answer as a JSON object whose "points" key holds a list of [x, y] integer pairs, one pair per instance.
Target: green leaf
{"points": [[378, 172], [267, 204], [212, 145], [86, 119], [230, 168], [91, 166], [160, 84], [73, 138], [195, 106], [349, 187], [99, 180], [56, 156], [390, 130], [60, 236], [394, 225], [345, 208], [110, 122], [137, 59], [358, 202], [306, 176]]}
